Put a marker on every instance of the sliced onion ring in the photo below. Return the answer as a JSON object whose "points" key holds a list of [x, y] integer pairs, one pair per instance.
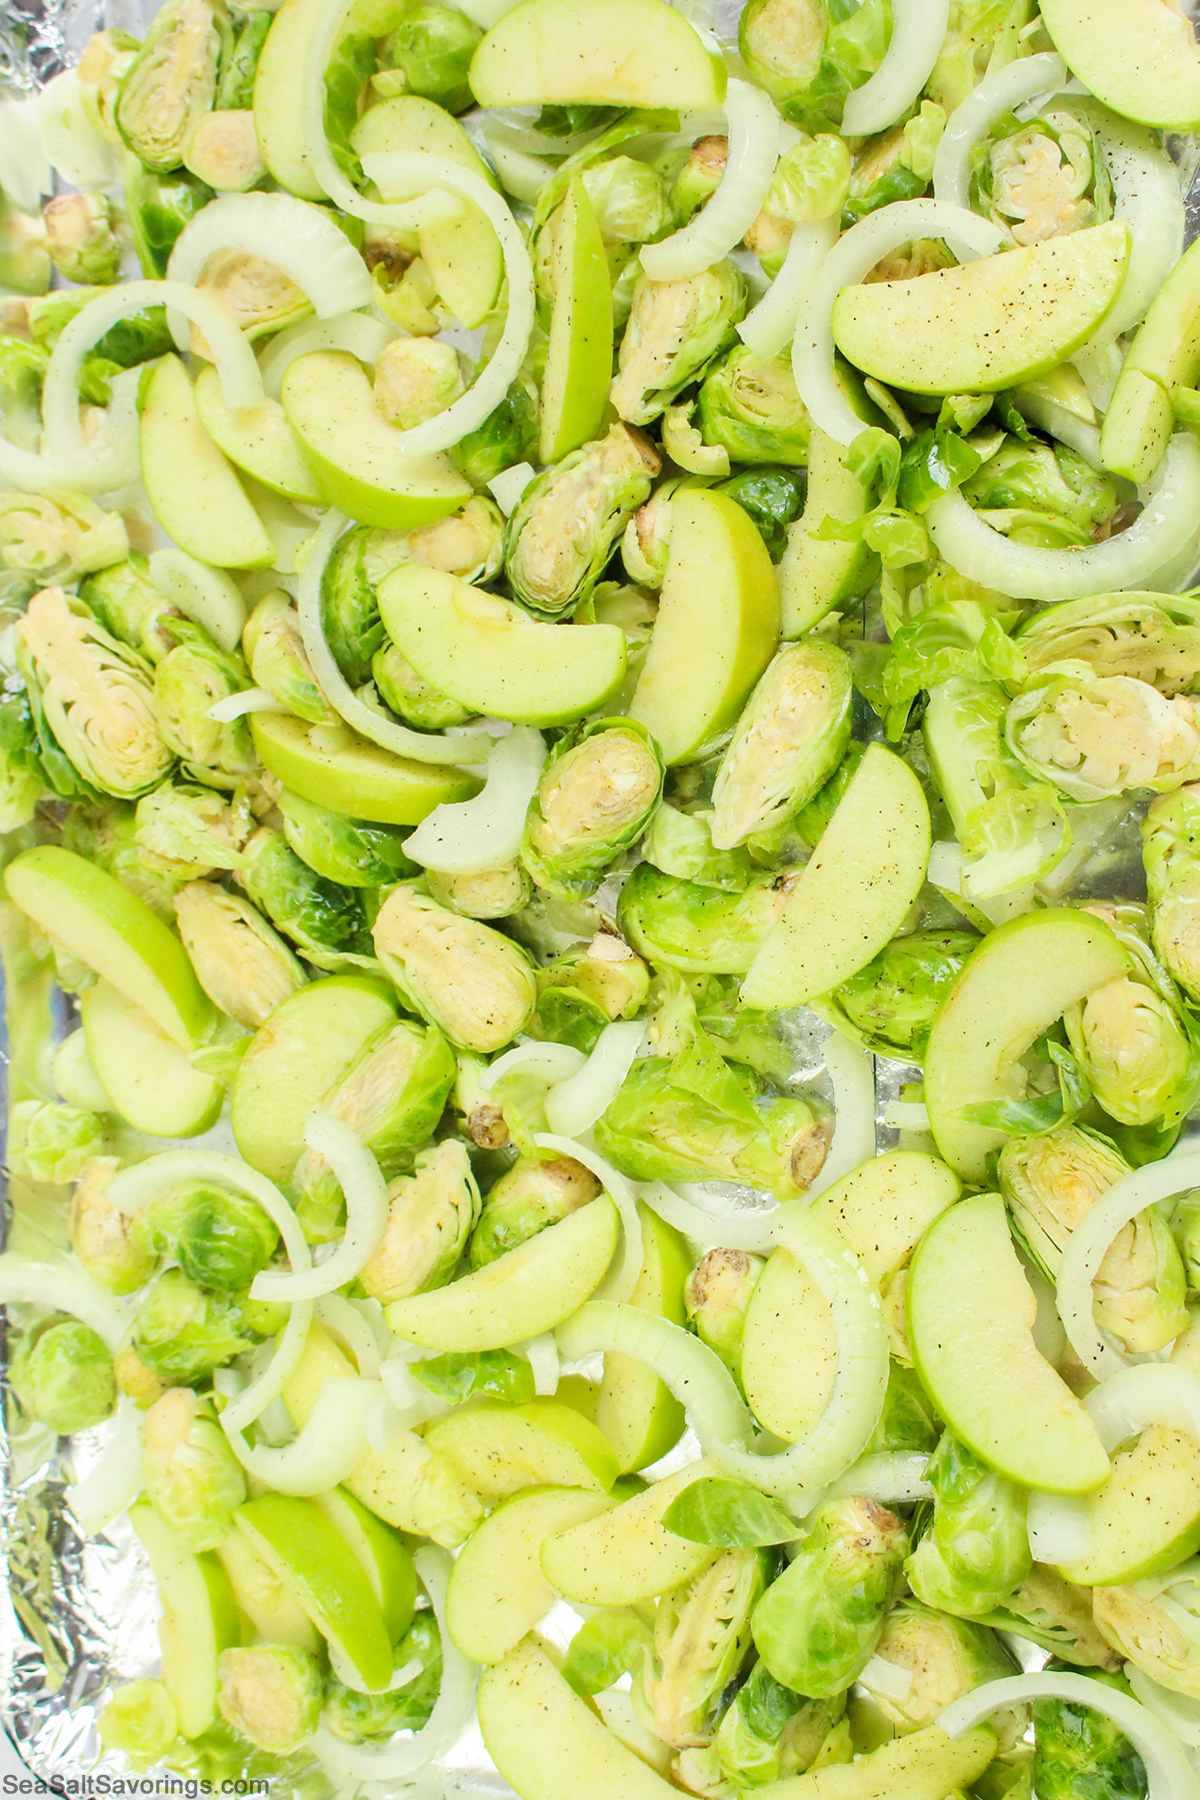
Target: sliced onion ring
{"points": [[918, 30], [852, 1072], [769, 327], [332, 1442], [893, 1477], [1179, 1712], [469, 837], [851, 259], [366, 1194], [574, 1105], [743, 1229], [106, 462], [1167, 528], [419, 746], [1000, 91], [344, 1321], [61, 1288], [622, 1278], [723, 222], [548, 1062], [1167, 1768]]}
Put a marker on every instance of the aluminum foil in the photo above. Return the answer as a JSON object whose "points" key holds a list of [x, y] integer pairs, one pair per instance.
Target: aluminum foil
{"points": [[78, 1616]]}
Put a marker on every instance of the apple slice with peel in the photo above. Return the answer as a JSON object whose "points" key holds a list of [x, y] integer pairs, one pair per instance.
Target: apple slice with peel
{"points": [[524, 1292], [258, 439], [309, 1554], [628, 1554], [149, 1079], [1146, 1518], [497, 1591], [357, 455], [269, 1605], [602, 52], [199, 1619], [580, 352], [498, 1450], [1164, 356], [488, 654], [1137, 56], [851, 897], [717, 626], [991, 324], [335, 768], [639, 1416], [1021, 979], [971, 1312], [789, 1350], [382, 1553], [196, 497], [113, 932], [883, 1208]]}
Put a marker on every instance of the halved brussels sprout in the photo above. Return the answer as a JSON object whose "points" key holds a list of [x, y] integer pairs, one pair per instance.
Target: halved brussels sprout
{"points": [[189, 681], [1155, 1625], [81, 238], [1054, 1613], [978, 1529], [353, 852], [137, 1379], [391, 1099], [464, 977], [561, 534], [271, 1694], [629, 199], [224, 151], [750, 406], [48, 1142], [129, 606], [274, 649], [1133, 1047], [701, 1640], [789, 740], [415, 379], [432, 49], [62, 1373], [892, 1002], [104, 834], [100, 1235], [106, 57], [508, 435], [717, 1298], [221, 1239], [1151, 637], [811, 180], [770, 1733], [173, 80], [700, 929], [493, 894], [1170, 839], [190, 831], [675, 330], [59, 536], [1047, 178], [259, 295], [1043, 494], [597, 793], [1096, 736], [810, 54], [527, 1198], [430, 1218], [182, 1333], [325, 921], [943, 1657], [243, 966], [700, 176], [411, 696], [581, 992], [191, 1475], [139, 1721], [95, 695], [1080, 1751]]}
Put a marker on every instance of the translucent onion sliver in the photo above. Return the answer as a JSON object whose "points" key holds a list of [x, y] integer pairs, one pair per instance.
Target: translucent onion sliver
{"points": [[721, 224], [114, 1482], [61, 1288], [360, 334], [343, 1320], [545, 1061], [744, 1229], [852, 1072], [918, 30], [574, 1105], [469, 837], [331, 1443], [240, 705], [769, 327], [360, 1180]]}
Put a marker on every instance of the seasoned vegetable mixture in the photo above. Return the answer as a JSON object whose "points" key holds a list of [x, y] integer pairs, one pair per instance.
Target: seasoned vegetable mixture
{"points": [[567, 585]]}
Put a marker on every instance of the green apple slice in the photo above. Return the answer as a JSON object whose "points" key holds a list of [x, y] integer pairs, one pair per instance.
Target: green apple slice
{"points": [[266, 1601], [883, 1208], [462, 254], [335, 768], [259, 440], [383, 1555], [628, 1555], [278, 83], [989, 324], [498, 1450], [113, 932], [1146, 1518], [1021, 979], [717, 626], [524, 1292], [302, 1051], [488, 654], [604, 52], [815, 575], [356, 454], [789, 1326], [497, 1591], [1164, 356], [971, 1312], [149, 1079], [313, 1559], [199, 1619], [580, 351], [1138, 56], [197, 498], [852, 896], [639, 1416]]}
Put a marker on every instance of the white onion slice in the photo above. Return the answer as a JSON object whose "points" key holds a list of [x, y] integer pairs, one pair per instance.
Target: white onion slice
{"points": [[366, 1194], [1147, 1394], [455, 1702], [1167, 1768], [331, 1443], [410, 168], [1059, 1529], [238, 706], [723, 222], [769, 327], [892, 1477], [105, 462], [852, 1072], [360, 334], [1168, 527], [413, 1404], [907, 1115], [469, 837], [25, 172], [344, 1321], [294, 236], [419, 746], [1089, 1242], [209, 597], [851, 259], [60, 1288], [241, 384], [75, 148], [541, 1353], [731, 1230], [508, 486], [114, 1481], [1000, 91], [1177, 1711], [1061, 423], [574, 1105], [622, 1278], [918, 28], [1146, 194], [522, 173], [548, 1062]]}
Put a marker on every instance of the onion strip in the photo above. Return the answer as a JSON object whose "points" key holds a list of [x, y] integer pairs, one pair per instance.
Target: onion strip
{"points": [[60, 1288], [852, 1072], [115, 1479], [452, 1709], [1167, 528], [744, 1229], [105, 462], [249, 700], [893, 1477], [1169, 1773], [419, 746], [343, 1320], [851, 259], [918, 30], [544, 1061], [622, 1278], [574, 1105], [331, 1443], [469, 837], [360, 1180], [1000, 91], [731, 210], [210, 597], [769, 327], [1180, 1712]]}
